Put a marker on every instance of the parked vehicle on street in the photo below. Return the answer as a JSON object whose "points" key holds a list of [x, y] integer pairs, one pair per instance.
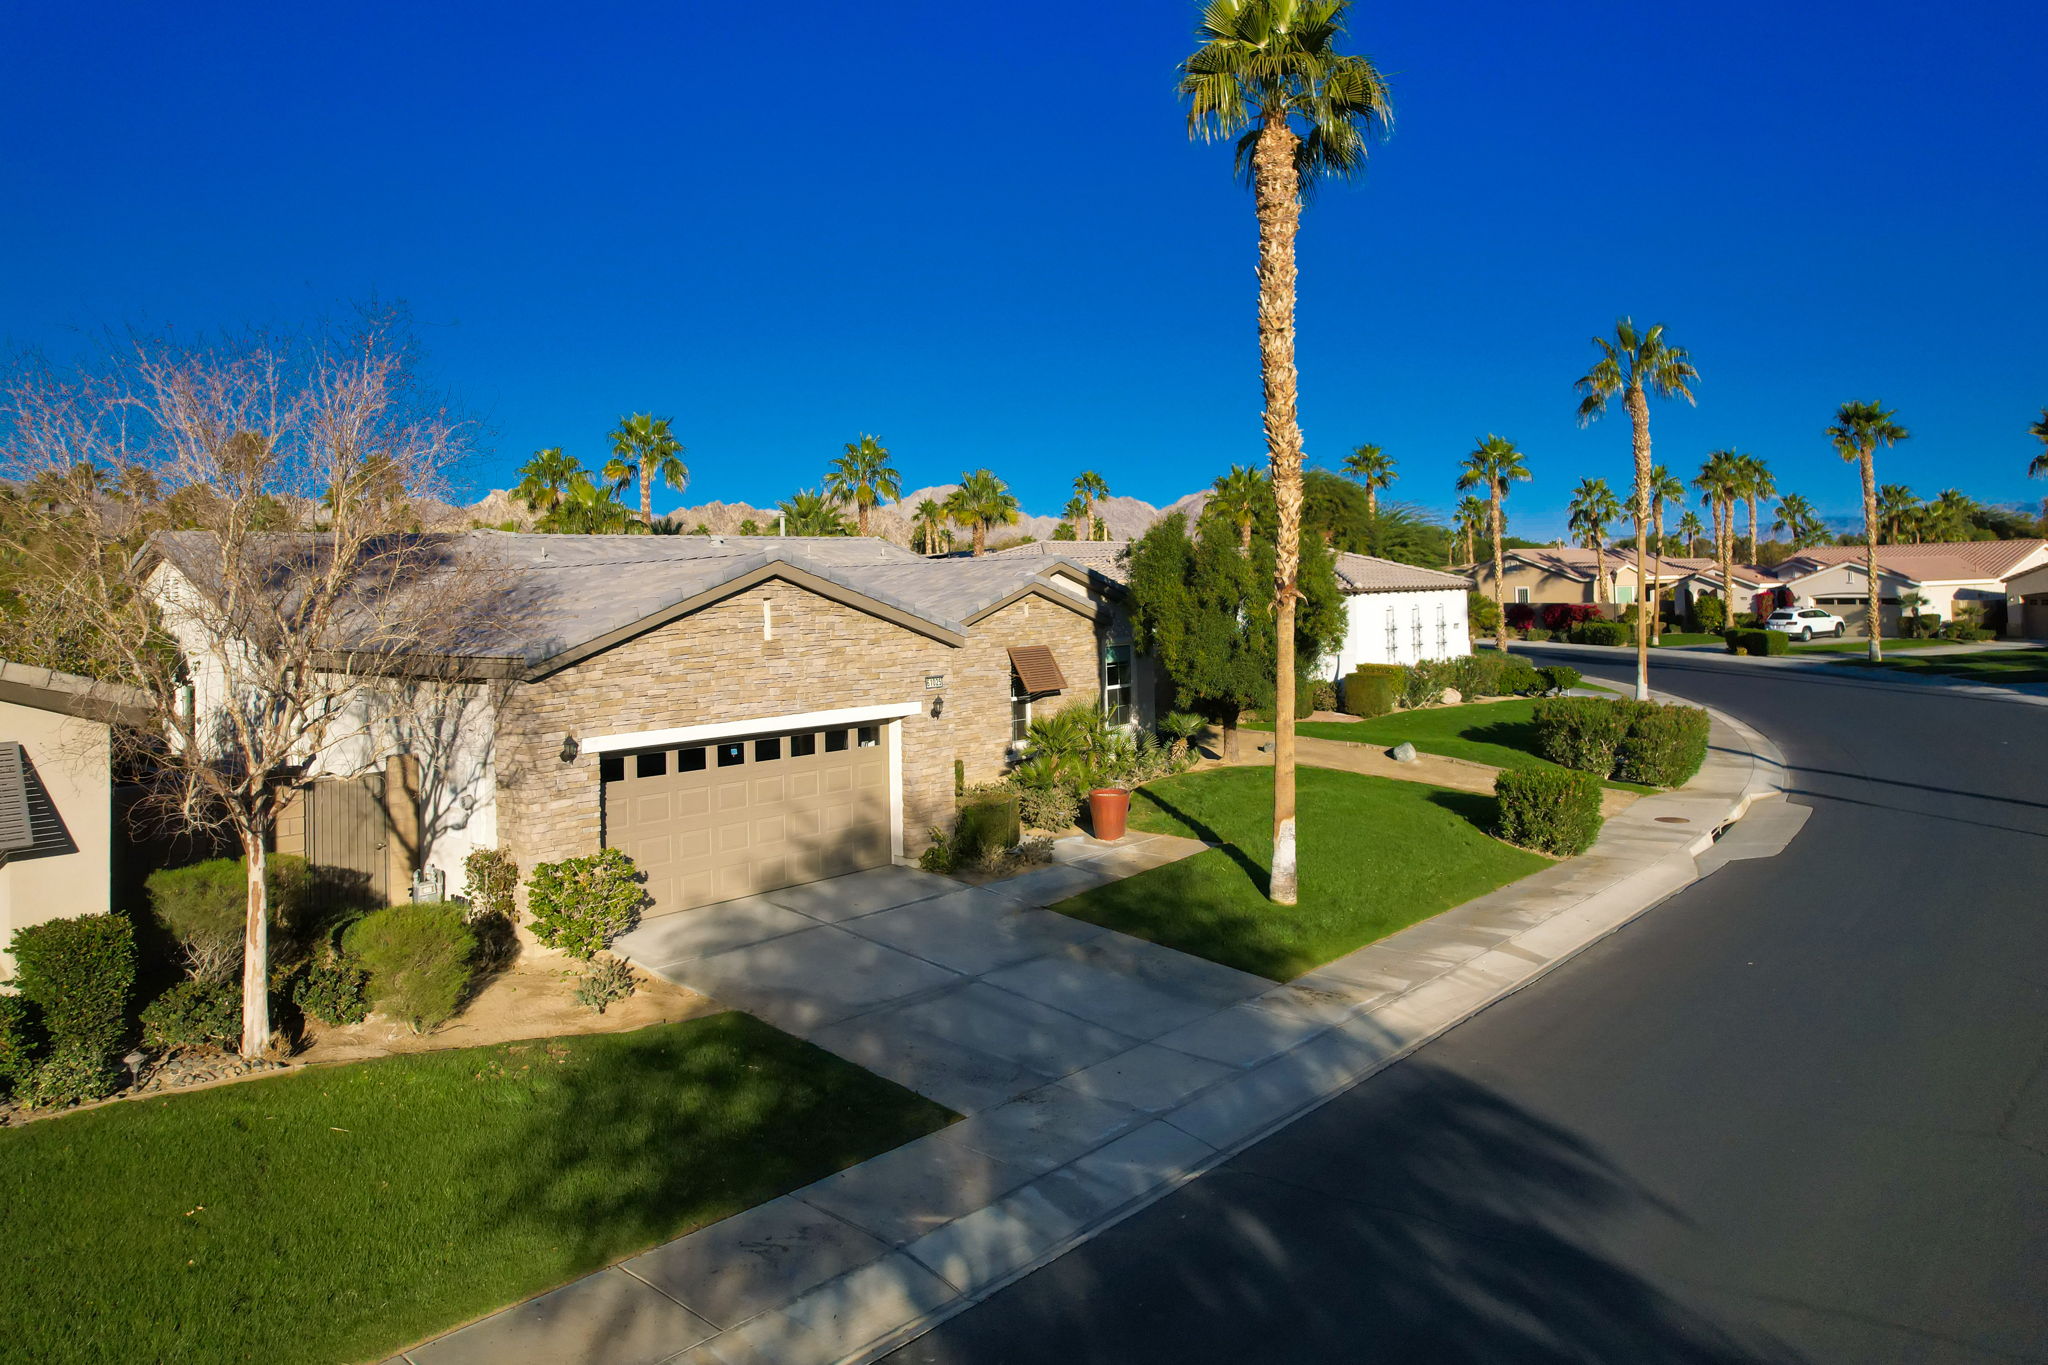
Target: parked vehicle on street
{"points": [[1807, 622]]}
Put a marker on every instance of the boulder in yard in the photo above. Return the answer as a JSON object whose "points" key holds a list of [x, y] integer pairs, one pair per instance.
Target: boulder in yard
{"points": [[1404, 752]]}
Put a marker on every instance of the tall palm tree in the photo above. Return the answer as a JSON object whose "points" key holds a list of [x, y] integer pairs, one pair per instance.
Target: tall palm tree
{"points": [[1238, 497], [1493, 464], [810, 513], [863, 476], [1953, 514], [980, 502], [2038, 466], [1690, 527], [1720, 479], [1631, 367], [590, 508], [1089, 489], [544, 480], [1666, 489], [1593, 505], [644, 451], [1373, 468], [1758, 484], [1263, 67], [925, 524], [1471, 524], [1895, 502], [1859, 430], [1798, 520]]}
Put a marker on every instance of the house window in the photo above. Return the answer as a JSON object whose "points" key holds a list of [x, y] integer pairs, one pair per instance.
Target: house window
{"points": [[1415, 627], [835, 740], [767, 750], [802, 746], [1116, 684], [1020, 710], [870, 736], [1521, 594], [1624, 593], [650, 765], [731, 755], [689, 760], [611, 767]]}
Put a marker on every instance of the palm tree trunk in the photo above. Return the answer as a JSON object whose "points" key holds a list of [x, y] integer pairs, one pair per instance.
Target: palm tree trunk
{"points": [[1277, 192], [647, 494], [1752, 530], [1724, 532], [1870, 615], [1639, 423], [860, 517], [1657, 579], [1500, 613], [1372, 504], [980, 538], [1600, 562]]}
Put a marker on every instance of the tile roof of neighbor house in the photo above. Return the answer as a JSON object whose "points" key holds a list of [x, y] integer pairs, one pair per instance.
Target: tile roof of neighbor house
{"points": [[1578, 562], [1355, 573], [1928, 562], [551, 596]]}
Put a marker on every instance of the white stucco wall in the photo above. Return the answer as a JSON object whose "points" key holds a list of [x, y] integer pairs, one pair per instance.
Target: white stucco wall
{"points": [[1440, 612], [70, 757]]}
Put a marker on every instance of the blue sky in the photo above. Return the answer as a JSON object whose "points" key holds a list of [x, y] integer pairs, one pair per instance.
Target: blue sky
{"points": [[991, 243]]}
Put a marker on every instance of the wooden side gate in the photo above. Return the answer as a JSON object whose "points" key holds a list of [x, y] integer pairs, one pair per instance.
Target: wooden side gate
{"points": [[363, 833]]}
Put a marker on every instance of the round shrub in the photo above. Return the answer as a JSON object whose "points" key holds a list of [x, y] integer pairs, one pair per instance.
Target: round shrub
{"points": [[987, 823], [1560, 678], [1517, 678], [1425, 682], [1608, 633], [1709, 614], [335, 990], [205, 905], [78, 973], [71, 1075], [1580, 732], [1550, 811], [1053, 807], [580, 905], [1664, 745], [195, 1013], [420, 960], [1372, 689]]}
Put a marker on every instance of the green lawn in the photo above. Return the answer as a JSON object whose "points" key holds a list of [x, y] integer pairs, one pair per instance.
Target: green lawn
{"points": [[1377, 855], [1501, 734], [1675, 639], [1863, 646], [339, 1213], [1992, 666]]}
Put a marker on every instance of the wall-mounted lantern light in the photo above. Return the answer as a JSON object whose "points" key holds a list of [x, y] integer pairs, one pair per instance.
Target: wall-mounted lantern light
{"points": [[570, 748], [938, 707]]}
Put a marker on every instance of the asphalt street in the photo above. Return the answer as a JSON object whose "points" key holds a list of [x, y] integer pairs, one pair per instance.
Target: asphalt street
{"points": [[1798, 1112]]}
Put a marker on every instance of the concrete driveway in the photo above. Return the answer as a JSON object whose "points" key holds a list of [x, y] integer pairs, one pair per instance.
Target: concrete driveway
{"points": [[967, 995]]}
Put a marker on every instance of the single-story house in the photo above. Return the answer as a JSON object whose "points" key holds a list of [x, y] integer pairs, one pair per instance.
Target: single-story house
{"points": [[57, 815], [736, 713], [2026, 604], [1394, 613], [1945, 575], [1571, 574]]}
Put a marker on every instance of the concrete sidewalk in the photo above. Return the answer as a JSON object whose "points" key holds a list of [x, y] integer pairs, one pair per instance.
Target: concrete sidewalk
{"points": [[1149, 1091]]}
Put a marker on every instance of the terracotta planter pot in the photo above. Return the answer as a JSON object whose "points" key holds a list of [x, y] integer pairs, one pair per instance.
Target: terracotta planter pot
{"points": [[1108, 809]]}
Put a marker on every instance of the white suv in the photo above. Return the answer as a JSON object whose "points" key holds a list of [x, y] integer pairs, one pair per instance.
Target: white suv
{"points": [[1807, 622]]}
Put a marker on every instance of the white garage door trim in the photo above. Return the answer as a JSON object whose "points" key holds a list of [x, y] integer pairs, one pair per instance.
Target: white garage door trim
{"points": [[693, 734]]}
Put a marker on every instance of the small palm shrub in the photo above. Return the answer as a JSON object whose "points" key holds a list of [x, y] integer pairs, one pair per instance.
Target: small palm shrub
{"points": [[420, 960], [1550, 811], [1180, 729], [195, 1013], [580, 905]]}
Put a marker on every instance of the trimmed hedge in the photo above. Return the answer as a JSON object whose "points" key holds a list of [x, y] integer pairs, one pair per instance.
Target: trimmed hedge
{"points": [[987, 824], [1665, 744], [195, 1013], [1560, 678], [1372, 689], [1601, 633], [204, 907], [18, 1040], [1547, 810], [1580, 733], [1758, 642], [420, 959], [1709, 614], [78, 973]]}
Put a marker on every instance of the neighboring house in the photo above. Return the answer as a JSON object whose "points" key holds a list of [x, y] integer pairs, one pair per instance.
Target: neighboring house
{"points": [[1394, 613], [2026, 604], [1570, 574], [1945, 575], [736, 713], [56, 795]]}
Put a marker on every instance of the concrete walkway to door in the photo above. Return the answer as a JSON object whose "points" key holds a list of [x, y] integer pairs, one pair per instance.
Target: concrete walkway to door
{"points": [[970, 996]]}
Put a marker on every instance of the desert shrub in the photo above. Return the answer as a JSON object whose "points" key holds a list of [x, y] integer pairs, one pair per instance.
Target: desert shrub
{"points": [[70, 1075], [1709, 615], [1547, 810], [1599, 633], [1521, 615], [580, 905], [1923, 626], [1748, 620], [938, 855], [605, 982], [1518, 678], [336, 989], [990, 821], [1053, 807], [1323, 695], [195, 1013], [1971, 634], [1580, 732], [1559, 678], [204, 906], [491, 881], [19, 1040], [78, 973], [1482, 613], [420, 959], [1758, 642], [1536, 633], [1425, 682], [1372, 689], [1630, 614], [1664, 746]]}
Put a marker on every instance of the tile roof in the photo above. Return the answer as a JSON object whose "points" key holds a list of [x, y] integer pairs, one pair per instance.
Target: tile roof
{"points": [[1103, 556], [1928, 562], [1355, 573], [552, 595]]}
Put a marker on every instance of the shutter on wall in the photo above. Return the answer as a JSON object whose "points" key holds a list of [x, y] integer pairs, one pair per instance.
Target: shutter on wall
{"points": [[1037, 670]]}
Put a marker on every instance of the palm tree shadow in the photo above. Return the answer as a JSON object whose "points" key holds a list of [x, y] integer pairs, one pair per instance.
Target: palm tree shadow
{"points": [[1259, 873]]}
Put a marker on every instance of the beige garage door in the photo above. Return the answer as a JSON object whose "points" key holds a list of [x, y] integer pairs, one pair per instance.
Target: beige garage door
{"points": [[711, 822]]}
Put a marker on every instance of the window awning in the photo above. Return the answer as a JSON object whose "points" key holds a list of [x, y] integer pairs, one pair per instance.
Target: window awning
{"points": [[1036, 669]]}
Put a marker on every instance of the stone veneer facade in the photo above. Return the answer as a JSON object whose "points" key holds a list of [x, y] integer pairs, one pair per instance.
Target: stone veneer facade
{"points": [[715, 666]]}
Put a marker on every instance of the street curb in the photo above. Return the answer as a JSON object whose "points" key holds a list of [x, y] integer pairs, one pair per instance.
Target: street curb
{"points": [[1406, 1024]]}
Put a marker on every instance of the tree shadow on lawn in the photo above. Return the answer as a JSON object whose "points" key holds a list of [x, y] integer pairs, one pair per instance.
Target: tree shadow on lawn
{"points": [[1420, 1216], [1519, 735], [1260, 874], [1476, 809]]}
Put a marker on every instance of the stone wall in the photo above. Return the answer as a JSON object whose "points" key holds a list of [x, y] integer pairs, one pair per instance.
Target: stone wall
{"points": [[719, 665]]}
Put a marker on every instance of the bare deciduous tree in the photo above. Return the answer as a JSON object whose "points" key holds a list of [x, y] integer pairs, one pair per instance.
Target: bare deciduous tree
{"points": [[234, 534]]}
